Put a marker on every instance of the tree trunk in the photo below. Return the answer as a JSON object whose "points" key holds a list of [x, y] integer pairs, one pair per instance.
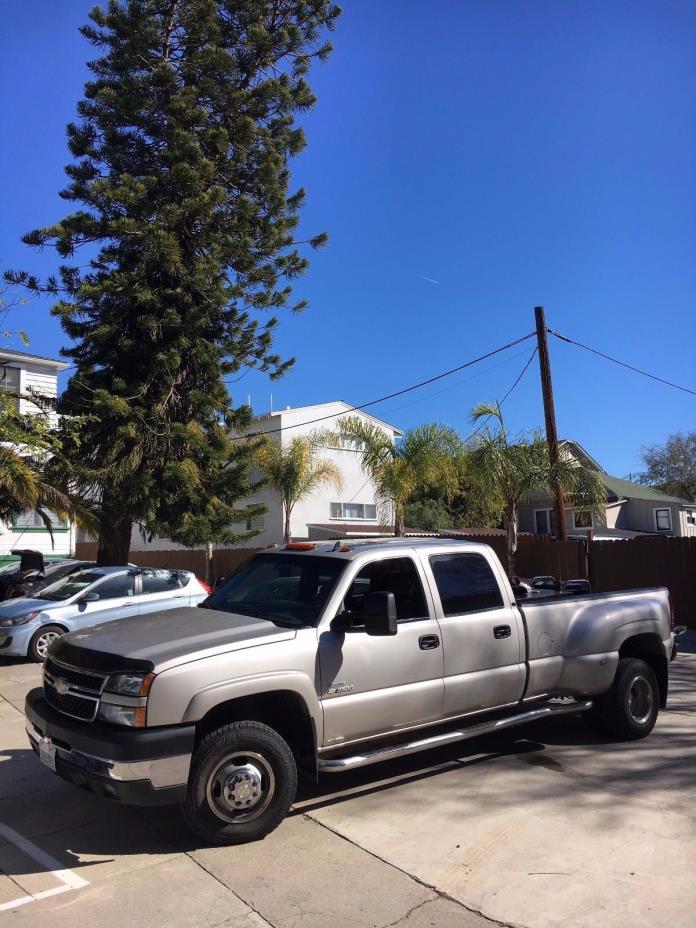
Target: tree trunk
{"points": [[398, 520], [287, 538], [114, 542], [511, 526]]}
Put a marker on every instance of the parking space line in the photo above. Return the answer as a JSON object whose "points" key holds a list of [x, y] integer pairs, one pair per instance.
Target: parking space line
{"points": [[67, 879]]}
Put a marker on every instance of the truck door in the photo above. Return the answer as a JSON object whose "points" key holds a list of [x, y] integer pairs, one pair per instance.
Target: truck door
{"points": [[372, 685], [482, 637]]}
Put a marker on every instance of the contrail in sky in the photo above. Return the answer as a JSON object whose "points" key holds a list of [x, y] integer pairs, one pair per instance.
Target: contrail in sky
{"points": [[429, 279]]}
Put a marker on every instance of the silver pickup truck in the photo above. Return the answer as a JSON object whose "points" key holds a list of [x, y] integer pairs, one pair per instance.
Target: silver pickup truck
{"points": [[327, 657]]}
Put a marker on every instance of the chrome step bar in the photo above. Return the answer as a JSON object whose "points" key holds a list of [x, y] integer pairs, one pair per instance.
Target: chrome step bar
{"points": [[339, 764]]}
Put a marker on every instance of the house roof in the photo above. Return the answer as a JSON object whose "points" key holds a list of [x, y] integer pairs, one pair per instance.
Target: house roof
{"points": [[319, 410], [11, 354], [625, 489], [618, 488]]}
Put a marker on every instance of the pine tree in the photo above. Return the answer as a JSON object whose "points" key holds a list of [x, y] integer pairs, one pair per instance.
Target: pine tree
{"points": [[181, 178]]}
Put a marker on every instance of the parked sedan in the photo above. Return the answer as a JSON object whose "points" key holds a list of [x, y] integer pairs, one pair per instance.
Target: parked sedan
{"points": [[89, 597]]}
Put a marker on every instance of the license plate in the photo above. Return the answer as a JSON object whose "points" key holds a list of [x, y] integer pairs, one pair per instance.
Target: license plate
{"points": [[47, 754]]}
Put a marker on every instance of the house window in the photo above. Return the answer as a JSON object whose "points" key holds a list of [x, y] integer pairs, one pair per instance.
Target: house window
{"points": [[350, 444], [257, 524], [544, 521], [582, 518], [358, 511], [32, 521], [663, 520], [691, 516]]}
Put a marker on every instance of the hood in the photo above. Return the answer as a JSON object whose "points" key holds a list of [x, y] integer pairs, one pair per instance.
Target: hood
{"points": [[165, 638], [23, 604]]}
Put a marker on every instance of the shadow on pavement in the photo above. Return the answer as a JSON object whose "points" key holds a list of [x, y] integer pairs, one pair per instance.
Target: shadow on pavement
{"points": [[540, 764]]}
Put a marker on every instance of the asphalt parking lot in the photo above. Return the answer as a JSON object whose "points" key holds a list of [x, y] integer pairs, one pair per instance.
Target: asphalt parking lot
{"points": [[546, 826]]}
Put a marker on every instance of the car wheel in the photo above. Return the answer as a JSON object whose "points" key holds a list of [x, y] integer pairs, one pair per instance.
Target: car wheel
{"points": [[629, 709], [243, 780], [42, 640]]}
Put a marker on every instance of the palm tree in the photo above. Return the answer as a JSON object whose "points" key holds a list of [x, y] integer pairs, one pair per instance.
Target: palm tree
{"points": [[514, 469], [28, 453], [294, 472], [428, 457]]}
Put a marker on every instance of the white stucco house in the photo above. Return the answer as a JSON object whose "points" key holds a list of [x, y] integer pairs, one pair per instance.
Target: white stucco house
{"points": [[327, 513], [26, 374]]}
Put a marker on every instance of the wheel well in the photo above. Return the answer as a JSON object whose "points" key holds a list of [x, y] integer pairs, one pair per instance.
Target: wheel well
{"points": [[650, 649], [282, 710]]}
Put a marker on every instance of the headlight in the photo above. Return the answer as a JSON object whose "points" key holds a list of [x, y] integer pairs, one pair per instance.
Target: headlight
{"points": [[18, 620], [129, 684], [134, 716]]}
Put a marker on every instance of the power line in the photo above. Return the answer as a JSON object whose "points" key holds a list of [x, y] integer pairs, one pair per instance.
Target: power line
{"points": [[630, 367], [457, 383], [390, 396], [481, 427]]}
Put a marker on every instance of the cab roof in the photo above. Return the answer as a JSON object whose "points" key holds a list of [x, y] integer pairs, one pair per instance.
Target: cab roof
{"points": [[347, 549]]}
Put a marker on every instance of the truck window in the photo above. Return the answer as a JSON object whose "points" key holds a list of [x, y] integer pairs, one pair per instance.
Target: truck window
{"points": [[465, 583], [395, 575], [287, 589]]}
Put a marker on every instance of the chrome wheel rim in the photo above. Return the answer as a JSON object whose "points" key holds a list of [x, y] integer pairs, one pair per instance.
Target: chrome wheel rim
{"points": [[43, 643], [640, 699], [240, 787]]}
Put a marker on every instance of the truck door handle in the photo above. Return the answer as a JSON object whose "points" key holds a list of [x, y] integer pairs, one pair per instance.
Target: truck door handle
{"points": [[502, 631], [428, 642]]}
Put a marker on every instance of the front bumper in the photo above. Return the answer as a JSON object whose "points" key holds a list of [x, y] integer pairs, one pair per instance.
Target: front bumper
{"points": [[137, 767], [14, 641]]}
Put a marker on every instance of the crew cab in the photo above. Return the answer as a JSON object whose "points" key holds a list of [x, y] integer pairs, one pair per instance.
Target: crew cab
{"points": [[327, 657]]}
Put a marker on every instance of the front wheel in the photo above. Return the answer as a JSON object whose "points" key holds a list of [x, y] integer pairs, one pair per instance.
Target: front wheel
{"points": [[243, 780], [629, 709], [42, 640]]}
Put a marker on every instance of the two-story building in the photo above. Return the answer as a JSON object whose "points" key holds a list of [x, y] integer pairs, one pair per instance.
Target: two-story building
{"points": [[25, 374], [325, 513]]}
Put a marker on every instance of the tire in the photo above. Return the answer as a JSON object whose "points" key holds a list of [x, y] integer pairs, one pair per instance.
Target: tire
{"points": [[41, 640], [629, 709], [251, 759]]}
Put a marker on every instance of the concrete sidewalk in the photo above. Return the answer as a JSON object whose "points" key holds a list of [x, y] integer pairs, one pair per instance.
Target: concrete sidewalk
{"points": [[545, 827]]}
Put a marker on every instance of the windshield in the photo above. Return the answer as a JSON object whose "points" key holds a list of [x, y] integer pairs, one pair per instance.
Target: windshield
{"points": [[70, 586], [287, 589], [8, 568]]}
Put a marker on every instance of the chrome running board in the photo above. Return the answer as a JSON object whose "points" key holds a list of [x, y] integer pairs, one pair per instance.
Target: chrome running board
{"points": [[338, 764]]}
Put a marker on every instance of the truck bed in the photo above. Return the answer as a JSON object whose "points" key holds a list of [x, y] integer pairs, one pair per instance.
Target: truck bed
{"points": [[558, 630]]}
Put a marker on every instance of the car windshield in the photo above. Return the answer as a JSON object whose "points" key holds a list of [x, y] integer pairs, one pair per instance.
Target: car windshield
{"points": [[8, 568], [289, 590], [70, 586]]}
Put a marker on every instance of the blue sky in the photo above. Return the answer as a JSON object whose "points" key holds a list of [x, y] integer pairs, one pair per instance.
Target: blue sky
{"points": [[516, 153]]}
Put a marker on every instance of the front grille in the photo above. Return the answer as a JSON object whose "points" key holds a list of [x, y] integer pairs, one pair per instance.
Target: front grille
{"points": [[71, 691], [89, 682], [76, 706]]}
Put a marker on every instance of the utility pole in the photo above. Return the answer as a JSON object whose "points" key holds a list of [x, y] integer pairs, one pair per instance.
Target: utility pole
{"points": [[550, 417]]}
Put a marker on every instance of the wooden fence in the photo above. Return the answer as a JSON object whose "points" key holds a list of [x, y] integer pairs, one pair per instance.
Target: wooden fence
{"points": [[225, 560], [649, 561]]}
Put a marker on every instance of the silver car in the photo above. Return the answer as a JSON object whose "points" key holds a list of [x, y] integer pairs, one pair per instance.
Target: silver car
{"points": [[90, 597]]}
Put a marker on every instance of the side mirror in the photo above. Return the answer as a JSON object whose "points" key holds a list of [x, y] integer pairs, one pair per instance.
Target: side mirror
{"points": [[379, 613], [519, 591], [88, 598]]}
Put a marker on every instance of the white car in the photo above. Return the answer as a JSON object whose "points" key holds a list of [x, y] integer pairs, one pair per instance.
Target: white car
{"points": [[90, 597]]}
